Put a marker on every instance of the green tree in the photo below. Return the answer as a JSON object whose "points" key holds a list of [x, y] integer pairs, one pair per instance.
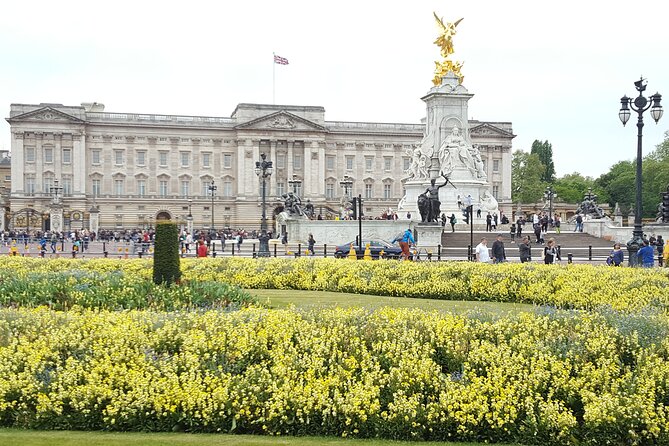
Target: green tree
{"points": [[545, 152], [166, 261], [526, 177], [570, 188]]}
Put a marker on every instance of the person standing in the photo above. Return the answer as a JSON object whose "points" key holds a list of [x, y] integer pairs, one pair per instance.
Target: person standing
{"points": [[481, 251], [284, 242], [665, 254], [512, 232], [201, 248], [488, 222], [525, 250], [495, 221], [452, 220], [311, 242], [550, 252], [617, 256], [646, 254], [556, 223], [519, 227], [579, 223], [443, 220], [405, 239], [659, 243], [498, 252]]}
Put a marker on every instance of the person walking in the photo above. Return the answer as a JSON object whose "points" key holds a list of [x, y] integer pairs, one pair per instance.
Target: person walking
{"points": [[617, 256], [498, 252], [646, 254], [405, 239], [488, 222], [537, 231], [550, 254], [525, 250], [311, 242], [556, 223], [481, 251], [512, 232], [519, 227]]}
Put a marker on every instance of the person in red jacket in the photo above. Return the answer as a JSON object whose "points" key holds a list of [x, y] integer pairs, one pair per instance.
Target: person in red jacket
{"points": [[201, 249]]}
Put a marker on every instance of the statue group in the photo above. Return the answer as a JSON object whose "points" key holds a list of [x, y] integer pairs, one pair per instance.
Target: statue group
{"points": [[292, 204], [589, 207]]}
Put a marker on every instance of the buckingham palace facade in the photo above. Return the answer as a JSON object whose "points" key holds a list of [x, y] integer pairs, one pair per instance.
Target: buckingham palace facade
{"points": [[133, 168]]}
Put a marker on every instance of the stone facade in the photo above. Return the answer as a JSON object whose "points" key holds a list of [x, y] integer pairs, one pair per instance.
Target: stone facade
{"points": [[135, 168]]}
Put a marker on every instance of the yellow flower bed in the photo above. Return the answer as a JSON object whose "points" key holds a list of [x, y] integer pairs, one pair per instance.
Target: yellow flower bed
{"points": [[570, 286], [562, 378]]}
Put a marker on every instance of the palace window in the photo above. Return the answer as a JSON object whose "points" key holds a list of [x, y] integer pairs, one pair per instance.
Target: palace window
{"points": [[227, 188], [141, 188], [47, 183], [406, 163], [30, 154], [329, 162], [48, 155], [96, 189], [495, 191], [368, 190], [30, 184], [280, 188], [297, 161], [205, 187], [185, 188], [387, 191], [387, 163], [141, 158], [329, 190], [67, 156], [349, 162], [280, 161], [95, 157], [163, 188], [118, 187], [495, 165], [118, 157], [206, 160], [185, 159], [227, 160], [67, 185], [162, 159], [369, 162]]}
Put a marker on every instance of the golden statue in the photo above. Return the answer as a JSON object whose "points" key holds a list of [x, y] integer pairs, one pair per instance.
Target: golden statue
{"points": [[445, 43]]}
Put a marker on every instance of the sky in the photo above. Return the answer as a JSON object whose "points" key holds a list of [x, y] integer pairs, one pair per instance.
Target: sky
{"points": [[556, 70]]}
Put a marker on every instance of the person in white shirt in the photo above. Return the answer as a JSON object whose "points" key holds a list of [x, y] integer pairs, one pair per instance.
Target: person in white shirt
{"points": [[481, 250]]}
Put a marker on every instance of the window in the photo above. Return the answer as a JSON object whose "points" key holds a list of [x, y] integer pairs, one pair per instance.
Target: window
{"points": [[227, 188], [163, 190], [280, 188], [162, 159], [118, 157], [297, 189], [495, 165], [406, 163], [227, 160], [329, 191], [47, 182], [48, 155], [185, 159], [387, 191], [387, 163], [118, 187], [368, 191], [297, 161], [67, 185], [281, 161], [30, 184], [141, 188], [206, 160], [30, 154], [67, 156], [96, 188], [349, 163], [141, 158], [329, 162], [205, 187], [185, 188], [495, 191], [95, 157], [369, 161]]}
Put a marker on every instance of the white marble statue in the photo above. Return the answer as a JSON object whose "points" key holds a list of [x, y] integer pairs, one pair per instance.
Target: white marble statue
{"points": [[454, 151], [488, 203], [419, 163], [478, 163]]}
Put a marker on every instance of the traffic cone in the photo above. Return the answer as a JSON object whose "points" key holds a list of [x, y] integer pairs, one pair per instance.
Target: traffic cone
{"points": [[352, 254]]}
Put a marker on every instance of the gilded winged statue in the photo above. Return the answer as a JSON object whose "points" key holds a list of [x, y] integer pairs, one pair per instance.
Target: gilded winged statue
{"points": [[445, 43]]}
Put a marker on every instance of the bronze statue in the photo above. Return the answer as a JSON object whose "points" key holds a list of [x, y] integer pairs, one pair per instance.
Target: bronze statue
{"points": [[432, 194]]}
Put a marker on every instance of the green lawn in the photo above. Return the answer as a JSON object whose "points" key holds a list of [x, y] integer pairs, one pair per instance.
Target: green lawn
{"points": [[323, 299], [16, 437]]}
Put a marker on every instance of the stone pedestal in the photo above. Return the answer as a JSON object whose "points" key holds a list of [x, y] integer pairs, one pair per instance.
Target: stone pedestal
{"points": [[95, 219], [189, 224], [429, 235], [56, 217], [2, 218]]}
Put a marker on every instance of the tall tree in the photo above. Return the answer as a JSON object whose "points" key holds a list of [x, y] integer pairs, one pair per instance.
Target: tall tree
{"points": [[545, 152], [526, 177], [572, 187]]}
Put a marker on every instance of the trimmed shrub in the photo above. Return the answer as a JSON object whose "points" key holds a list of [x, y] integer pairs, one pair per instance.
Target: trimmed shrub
{"points": [[166, 258]]}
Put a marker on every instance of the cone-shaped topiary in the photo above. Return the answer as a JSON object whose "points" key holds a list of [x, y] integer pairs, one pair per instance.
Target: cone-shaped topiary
{"points": [[166, 262]]}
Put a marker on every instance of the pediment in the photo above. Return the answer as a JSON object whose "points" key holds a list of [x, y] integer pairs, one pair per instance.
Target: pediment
{"points": [[282, 120], [489, 130], [45, 114]]}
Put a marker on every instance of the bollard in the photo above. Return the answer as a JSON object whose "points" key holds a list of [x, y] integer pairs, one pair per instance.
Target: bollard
{"points": [[233, 250], [429, 256], [275, 250], [325, 250], [660, 260], [62, 244], [74, 254], [589, 252], [213, 254], [570, 258], [469, 252], [438, 252], [105, 254], [140, 254], [299, 250], [104, 246], [254, 251]]}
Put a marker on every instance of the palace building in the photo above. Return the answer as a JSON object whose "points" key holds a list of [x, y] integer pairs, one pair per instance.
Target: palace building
{"points": [[131, 169]]}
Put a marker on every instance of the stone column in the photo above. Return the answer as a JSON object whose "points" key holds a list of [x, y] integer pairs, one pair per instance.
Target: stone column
{"points": [[17, 163], [95, 219], [79, 163], [289, 161]]}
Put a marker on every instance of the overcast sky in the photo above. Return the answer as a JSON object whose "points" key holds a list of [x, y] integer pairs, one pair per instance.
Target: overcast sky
{"points": [[556, 70]]}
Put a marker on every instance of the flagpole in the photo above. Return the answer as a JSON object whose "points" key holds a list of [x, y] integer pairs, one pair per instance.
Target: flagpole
{"points": [[273, 80]]}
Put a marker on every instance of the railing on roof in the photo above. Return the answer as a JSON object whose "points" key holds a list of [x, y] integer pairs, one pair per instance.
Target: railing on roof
{"points": [[374, 126], [163, 119]]}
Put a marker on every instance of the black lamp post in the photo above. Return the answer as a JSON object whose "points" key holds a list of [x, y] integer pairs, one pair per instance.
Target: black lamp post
{"points": [[346, 183], [212, 190], [549, 195], [263, 170], [640, 104], [55, 189]]}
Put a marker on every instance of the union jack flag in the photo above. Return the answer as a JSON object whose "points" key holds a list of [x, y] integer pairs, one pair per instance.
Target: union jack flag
{"points": [[280, 60]]}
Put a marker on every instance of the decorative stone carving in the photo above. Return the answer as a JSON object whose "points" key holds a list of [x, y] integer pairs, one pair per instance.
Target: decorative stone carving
{"points": [[282, 122], [489, 203]]}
